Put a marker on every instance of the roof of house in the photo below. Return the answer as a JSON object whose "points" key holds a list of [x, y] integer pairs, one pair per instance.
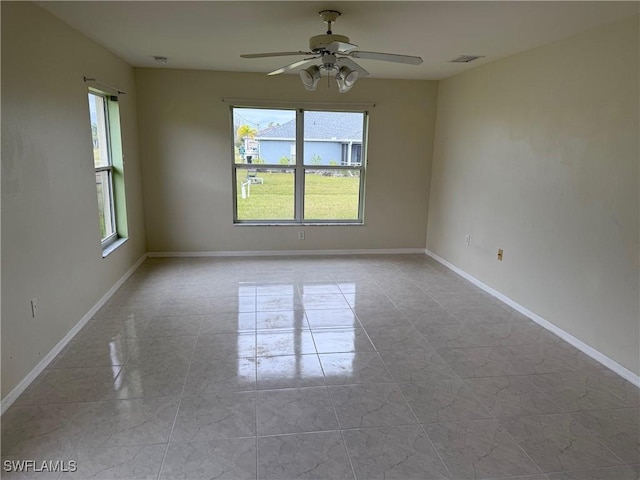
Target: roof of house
{"points": [[320, 126]]}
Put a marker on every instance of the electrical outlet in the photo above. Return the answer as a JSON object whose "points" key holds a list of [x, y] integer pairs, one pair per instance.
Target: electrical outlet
{"points": [[34, 307], [467, 240], [301, 235], [500, 254]]}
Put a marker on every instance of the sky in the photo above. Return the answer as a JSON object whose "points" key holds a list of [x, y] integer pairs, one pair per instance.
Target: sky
{"points": [[92, 109], [259, 118]]}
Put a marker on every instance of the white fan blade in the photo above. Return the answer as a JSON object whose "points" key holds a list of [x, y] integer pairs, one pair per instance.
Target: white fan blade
{"points": [[293, 65], [341, 47], [352, 65], [386, 57], [274, 54]]}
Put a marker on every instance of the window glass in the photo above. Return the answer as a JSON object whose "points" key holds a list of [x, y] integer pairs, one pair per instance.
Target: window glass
{"points": [[264, 136], [103, 164], [99, 130], [332, 138], [103, 186], [265, 194], [331, 194]]}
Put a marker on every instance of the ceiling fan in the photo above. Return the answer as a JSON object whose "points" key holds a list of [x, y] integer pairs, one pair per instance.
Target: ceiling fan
{"points": [[335, 53]]}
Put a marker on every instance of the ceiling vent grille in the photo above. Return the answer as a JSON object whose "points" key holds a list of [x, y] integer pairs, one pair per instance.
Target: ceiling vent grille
{"points": [[466, 58]]}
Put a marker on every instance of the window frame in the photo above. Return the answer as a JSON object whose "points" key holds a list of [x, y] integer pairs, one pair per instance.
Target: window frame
{"points": [[299, 168], [114, 168]]}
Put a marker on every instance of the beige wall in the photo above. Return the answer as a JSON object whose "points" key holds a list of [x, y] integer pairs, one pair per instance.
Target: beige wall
{"points": [[50, 232], [538, 154], [185, 137]]}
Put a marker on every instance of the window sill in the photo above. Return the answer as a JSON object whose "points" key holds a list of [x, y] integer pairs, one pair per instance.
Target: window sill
{"points": [[113, 246]]}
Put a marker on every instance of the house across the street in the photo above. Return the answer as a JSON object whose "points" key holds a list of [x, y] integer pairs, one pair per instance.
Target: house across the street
{"points": [[330, 138]]}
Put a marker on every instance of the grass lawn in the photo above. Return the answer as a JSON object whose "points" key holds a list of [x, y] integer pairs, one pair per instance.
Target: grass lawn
{"points": [[326, 197]]}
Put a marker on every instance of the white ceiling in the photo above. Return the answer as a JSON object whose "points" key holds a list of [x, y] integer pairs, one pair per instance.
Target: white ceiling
{"points": [[211, 35]]}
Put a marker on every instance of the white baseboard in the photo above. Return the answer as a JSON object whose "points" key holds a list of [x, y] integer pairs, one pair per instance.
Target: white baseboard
{"points": [[278, 253], [42, 364], [566, 336]]}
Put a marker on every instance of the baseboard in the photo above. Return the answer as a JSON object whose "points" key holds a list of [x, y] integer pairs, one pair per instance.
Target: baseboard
{"points": [[278, 253], [42, 364], [566, 336]]}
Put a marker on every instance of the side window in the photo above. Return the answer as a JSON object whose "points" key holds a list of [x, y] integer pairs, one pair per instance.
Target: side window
{"points": [[108, 165]]}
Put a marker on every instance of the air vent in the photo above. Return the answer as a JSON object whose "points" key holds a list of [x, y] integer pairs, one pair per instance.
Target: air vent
{"points": [[466, 58]]}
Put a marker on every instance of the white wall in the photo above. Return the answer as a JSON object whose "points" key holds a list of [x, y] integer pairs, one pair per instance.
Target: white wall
{"points": [[50, 232], [538, 154], [186, 140]]}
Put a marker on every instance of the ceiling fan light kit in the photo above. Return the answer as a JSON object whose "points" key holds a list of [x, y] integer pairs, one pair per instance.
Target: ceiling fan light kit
{"points": [[346, 78], [331, 53], [310, 77]]}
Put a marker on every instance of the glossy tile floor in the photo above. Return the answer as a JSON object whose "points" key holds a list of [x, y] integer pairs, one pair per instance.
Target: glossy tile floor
{"points": [[328, 368]]}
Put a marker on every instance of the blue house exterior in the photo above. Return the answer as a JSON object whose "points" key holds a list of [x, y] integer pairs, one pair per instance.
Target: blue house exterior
{"points": [[331, 138]]}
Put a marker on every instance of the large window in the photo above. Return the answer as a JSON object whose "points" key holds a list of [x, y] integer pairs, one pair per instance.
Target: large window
{"points": [[107, 160], [298, 166]]}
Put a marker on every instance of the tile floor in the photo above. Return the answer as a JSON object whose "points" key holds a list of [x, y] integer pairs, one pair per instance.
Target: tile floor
{"points": [[328, 368]]}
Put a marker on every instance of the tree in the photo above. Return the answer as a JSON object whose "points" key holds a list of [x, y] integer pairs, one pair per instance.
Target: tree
{"points": [[245, 131]]}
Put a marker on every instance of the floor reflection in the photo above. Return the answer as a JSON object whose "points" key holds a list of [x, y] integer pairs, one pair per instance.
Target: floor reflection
{"points": [[287, 341]]}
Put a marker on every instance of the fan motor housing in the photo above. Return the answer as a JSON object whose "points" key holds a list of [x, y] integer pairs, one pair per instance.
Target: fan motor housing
{"points": [[318, 43]]}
